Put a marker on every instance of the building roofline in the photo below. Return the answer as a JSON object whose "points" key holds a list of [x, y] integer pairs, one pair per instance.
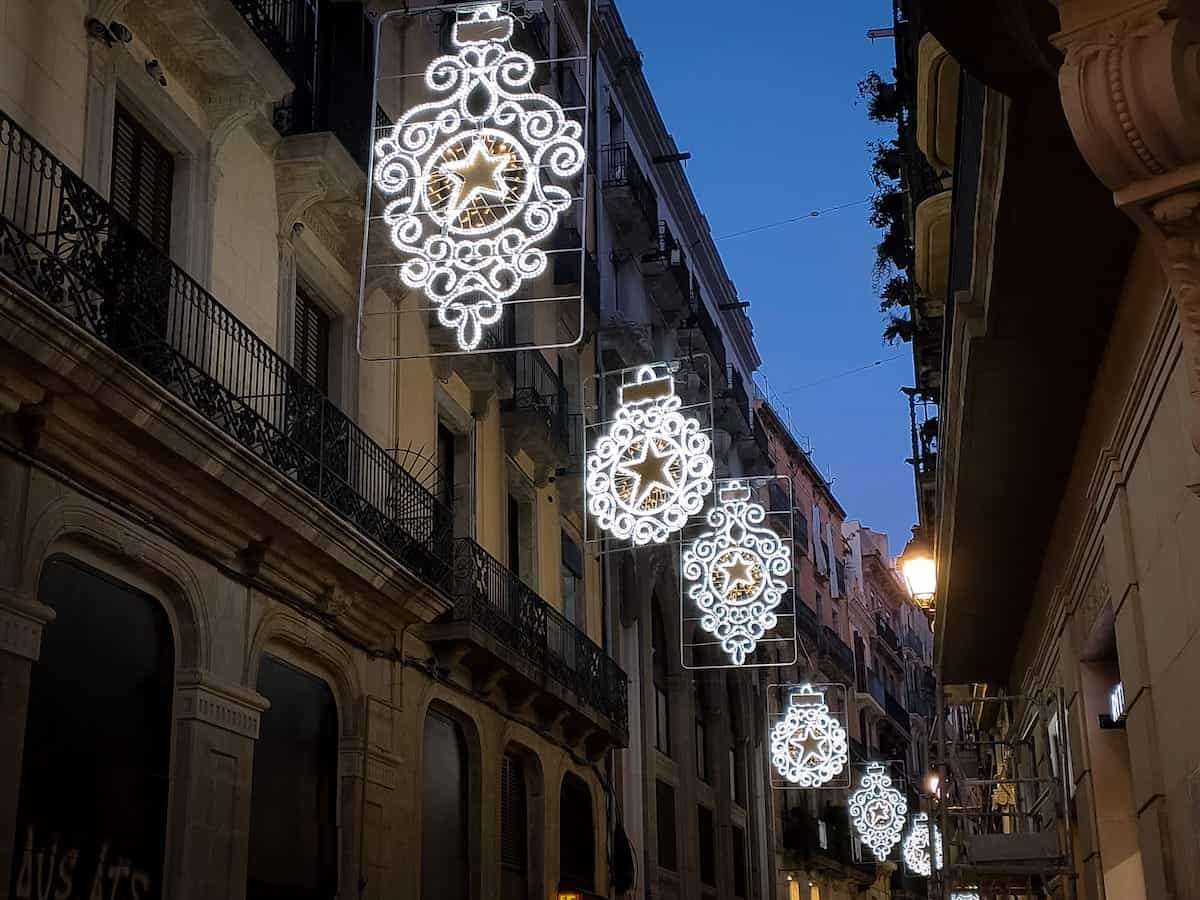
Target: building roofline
{"points": [[764, 407]]}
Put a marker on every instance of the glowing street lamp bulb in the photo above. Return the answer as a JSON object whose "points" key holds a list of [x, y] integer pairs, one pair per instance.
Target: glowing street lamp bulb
{"points": [[470, 178], [919, 570]]}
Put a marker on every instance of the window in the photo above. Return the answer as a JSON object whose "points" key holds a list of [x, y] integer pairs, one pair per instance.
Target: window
{"points": [[572, 581], [701, 705], [664, 798], [662, 702], [310, 345], [739, 862], [708, 850], [445, 863], [446, 451], [514, 829], [577, 844], [96, 763], [293, 802], [737, 747], [522, 529], [142, 175]]}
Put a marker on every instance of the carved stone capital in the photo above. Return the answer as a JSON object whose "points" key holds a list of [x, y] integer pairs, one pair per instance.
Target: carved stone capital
{"points": [[21, 622], [1130, 85], [230, 707]]}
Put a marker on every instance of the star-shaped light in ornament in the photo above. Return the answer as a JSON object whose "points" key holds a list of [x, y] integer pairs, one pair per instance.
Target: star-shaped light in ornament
{"points": [[651, 470], [478, 174], [738, 572]]}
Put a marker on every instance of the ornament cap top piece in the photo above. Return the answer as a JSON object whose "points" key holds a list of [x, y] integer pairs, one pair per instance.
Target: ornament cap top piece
{"points": [[472, 178]]}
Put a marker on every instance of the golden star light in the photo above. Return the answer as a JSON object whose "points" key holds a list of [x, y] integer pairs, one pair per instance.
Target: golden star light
{"points": [[473, 179]]}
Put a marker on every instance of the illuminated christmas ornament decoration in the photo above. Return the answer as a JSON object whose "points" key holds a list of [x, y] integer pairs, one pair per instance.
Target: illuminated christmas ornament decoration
{"points": [[653, 467], [970, 894], [466, 176], [809, 747], [878, 811], [735, 572], [916, 845]]}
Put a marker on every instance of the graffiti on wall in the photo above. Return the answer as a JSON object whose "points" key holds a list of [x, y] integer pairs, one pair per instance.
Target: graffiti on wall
{"points": [[58, 870]]}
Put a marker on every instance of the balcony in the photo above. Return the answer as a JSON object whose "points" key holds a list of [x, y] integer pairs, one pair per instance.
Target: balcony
{"points": [[733, 405], [535, 416], [896, 711], [871, 691], [629, 197], [570, 476], [886, 636], [508, 637], [706, 336], [63, 243], [799, 534], [754, 449], [836, 650], [576, 272], [806, 621], [824, 842], [667, 275]]}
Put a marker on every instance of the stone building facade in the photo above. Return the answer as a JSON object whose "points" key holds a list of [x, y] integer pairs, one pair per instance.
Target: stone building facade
{"points": [[1058, 238]]}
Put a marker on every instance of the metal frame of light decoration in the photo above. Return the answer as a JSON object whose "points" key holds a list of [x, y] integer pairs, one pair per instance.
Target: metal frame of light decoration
{"points": [[916, 845], [470, 196], [653, 423], [736, 570], [788, 710], [879, 789]]}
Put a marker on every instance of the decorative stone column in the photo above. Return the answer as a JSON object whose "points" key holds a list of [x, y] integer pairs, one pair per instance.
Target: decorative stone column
{"points": [[216, 726], [21, 621], [1130, 86]]}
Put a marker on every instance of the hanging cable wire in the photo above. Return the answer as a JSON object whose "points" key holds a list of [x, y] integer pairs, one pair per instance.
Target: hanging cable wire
{"points": [[847, 373], [813, 214]]}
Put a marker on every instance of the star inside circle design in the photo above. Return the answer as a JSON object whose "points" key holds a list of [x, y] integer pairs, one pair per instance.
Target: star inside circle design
{"points": [[738, 572], [806, 744], [478, 174], [649, 471]]}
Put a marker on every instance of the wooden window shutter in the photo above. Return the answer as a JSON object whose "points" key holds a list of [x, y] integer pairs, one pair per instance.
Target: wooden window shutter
{"points": [[310, 348], [513, 814], [143, 172]]}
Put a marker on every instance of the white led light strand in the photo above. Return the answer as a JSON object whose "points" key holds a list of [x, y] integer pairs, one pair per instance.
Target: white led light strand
{"points": [[809, 747], [916, 845], [653, 467], [878, 811], [735, 572], [465, 176]]}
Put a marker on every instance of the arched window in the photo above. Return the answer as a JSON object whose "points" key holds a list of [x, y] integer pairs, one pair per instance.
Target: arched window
{"points": [[293, 801], [514, 829], [445, 864], [662, 703], [97, 753], [577, 837]]}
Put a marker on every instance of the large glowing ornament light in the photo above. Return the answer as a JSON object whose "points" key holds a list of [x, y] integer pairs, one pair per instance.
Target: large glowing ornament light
{"points": [[878, 811], [916, 845], [652, 469], [809, 747], [466, 176], [735, 572]]}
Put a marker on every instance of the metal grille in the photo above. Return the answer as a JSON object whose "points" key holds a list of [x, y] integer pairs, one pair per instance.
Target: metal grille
{"points": [[63, 243]]}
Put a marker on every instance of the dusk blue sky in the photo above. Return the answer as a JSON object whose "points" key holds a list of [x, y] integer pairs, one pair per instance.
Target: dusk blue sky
{"points": [[762, 93]]}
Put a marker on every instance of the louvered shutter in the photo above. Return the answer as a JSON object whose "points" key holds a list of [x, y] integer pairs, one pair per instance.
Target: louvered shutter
{"points": [[142, 174], [513, 818], [310, 347]]}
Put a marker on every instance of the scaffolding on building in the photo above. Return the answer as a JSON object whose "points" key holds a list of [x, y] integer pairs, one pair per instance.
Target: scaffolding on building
{"points": [[1002, 804]]}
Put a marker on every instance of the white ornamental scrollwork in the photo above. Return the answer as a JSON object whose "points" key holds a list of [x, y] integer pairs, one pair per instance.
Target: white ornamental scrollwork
{"points": [[653, 467], [735, 572], [467, 177], [878, 811], [809, 747], [916, 845]]}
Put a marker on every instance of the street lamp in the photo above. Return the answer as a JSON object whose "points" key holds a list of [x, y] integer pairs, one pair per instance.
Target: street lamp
{"points": [[919, 571]]}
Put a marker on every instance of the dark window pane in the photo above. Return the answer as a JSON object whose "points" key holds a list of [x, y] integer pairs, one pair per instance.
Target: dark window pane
{"points": [[310, 345], [577, 856], [293, 802], [664, 796], [444, 862], [446, 454], [142, 174], [662, 708], [739, 862], [97, 740], [514, 829], [708, 850]]}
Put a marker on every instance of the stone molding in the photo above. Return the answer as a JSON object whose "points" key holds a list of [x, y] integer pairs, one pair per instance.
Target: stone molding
{"points": [[233, 708], [21, 623], [1130, 86]]}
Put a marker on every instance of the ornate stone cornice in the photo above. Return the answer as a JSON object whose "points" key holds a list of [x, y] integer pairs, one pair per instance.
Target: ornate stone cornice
{"points": [[231, 707], [1130, 85]]}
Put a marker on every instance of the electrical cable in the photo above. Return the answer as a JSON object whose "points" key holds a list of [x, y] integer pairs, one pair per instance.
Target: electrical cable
{"points": [[813, 214], [847, 373]]}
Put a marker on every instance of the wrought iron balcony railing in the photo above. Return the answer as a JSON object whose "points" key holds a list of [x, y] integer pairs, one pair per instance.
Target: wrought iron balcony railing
{"points": [[896, 711], [874, 685], [887, 634], [61, 241], [837, 650], [494, 598], [537, 388], [621, 169], [806, 620]]}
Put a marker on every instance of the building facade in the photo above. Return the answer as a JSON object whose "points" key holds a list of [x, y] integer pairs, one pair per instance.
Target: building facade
{"points": [[1054, 228]]}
